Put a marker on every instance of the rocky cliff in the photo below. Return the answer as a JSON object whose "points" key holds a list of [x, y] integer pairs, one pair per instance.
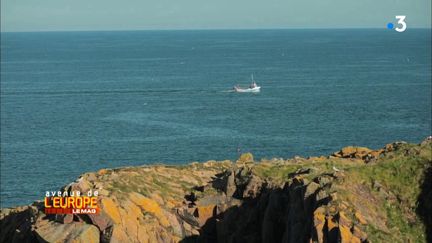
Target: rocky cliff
{"points": [[353, 195]]}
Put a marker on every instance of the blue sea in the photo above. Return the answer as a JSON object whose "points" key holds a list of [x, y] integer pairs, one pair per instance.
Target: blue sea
{"points": [[73, 102]]}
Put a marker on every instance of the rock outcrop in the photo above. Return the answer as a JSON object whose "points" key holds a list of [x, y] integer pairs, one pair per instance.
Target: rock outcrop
{"points": [[354, 195]]}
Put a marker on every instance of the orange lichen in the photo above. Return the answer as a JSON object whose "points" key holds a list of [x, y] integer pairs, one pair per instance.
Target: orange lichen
{"points": [[150, 206]]}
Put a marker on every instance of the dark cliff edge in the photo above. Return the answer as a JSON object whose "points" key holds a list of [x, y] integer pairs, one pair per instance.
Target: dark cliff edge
{"points": [[424, 209], [354, 195]]}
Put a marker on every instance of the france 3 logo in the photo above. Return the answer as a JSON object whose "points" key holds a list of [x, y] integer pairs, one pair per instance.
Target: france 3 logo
{"points": [[401, 22]]}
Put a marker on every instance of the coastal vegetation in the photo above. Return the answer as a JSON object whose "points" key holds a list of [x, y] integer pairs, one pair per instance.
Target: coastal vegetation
{"points": [[353, 195]]}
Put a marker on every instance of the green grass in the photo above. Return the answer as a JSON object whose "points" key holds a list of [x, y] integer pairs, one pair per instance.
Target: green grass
{"points": [[399, 175], [276, 172]]}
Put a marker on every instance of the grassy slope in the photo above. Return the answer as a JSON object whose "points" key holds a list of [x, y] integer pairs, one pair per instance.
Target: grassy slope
{"points": [[385, 191], [395, 182]]}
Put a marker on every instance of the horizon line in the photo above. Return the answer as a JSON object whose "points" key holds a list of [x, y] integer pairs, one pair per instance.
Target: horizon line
{"points": [[206, 29]]}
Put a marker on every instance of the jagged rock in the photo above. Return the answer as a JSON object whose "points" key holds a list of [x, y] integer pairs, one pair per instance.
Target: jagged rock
{"points": [[360, 218], [344, 220], [110, 209], [187, 217], [203, 213], [300, 171], [332, 229], [311, 188], [75, 232], [230, 184], [324, 179], [319, 223], [119, 235], [353, 152], [357, 232], [373, 155], [225, 202], [64, 218], [150, 206], [101, 220], [322, 195], [253, 187], [346, 236], [393, 146], [16, 224], [176, 225]]}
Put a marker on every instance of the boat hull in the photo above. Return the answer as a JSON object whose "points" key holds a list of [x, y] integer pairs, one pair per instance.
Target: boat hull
{"points": [[248, 90]]}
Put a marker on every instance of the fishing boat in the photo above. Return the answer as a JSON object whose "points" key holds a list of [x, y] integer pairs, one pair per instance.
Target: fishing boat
{"points": [[247, 90], [253, 88]]}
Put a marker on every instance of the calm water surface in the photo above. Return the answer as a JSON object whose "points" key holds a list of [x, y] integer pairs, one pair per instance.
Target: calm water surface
{"points": [[74, 102]]}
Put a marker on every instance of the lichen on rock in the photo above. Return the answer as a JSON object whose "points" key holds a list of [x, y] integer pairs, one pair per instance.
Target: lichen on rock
{"points": [[354, 195]]}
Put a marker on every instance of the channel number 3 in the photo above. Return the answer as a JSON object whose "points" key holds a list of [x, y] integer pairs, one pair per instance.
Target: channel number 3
{"points": [[401, 21]]}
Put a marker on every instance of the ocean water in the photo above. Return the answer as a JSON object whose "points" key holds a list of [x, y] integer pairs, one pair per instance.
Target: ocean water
{"points": [[73, 102]]}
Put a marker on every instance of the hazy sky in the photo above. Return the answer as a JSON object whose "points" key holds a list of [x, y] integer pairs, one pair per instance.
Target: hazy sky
{"points": [[37, 15]]}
